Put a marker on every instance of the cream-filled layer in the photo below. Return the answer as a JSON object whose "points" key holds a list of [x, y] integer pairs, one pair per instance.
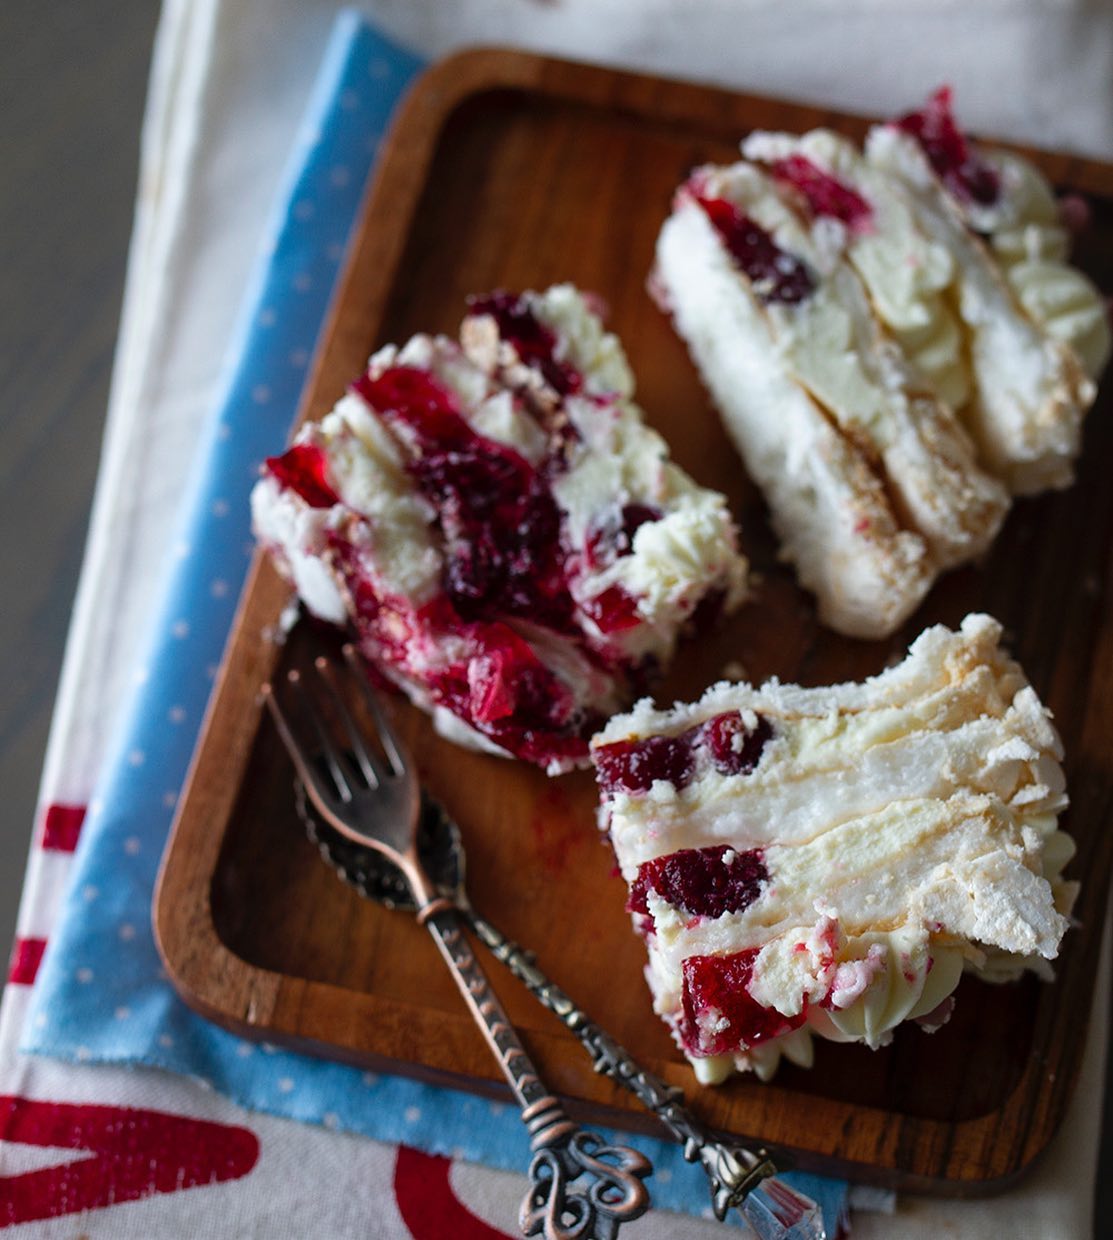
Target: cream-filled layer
{"points": [[1024, 228], [1002, 323], [964, 866], [829, 509], [1029, 390], [906, 271], [831, 343]]}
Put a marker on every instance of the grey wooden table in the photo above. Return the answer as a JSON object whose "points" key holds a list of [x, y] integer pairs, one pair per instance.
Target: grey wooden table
{"points": [[72, 84], [73, 77]]}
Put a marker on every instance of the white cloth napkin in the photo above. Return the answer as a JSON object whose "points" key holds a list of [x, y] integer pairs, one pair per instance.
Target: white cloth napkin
{"points": [[229, 81]]}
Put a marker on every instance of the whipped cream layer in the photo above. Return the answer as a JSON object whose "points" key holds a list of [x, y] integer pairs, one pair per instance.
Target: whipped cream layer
{"points": [[894, 340], [830, 342], [906, 272], [829, 860], [509, 541], [964, 255], [1008, 202], [1029, 390], [830, 509]]}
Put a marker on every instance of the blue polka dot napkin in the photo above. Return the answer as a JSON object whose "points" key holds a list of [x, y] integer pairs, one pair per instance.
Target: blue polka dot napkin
{"points": [[101, 996]]}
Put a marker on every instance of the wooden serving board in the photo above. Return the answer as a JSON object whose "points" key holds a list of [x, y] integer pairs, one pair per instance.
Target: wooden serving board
{"points": [[510, 170]]}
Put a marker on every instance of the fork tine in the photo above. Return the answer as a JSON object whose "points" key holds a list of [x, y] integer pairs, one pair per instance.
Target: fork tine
{"points": [[373, 770], [395, 751], [307, 772], [328, 750]]}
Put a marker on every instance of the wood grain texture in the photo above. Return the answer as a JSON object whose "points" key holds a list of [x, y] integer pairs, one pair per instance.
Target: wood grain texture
{"points": [[510, 170]]}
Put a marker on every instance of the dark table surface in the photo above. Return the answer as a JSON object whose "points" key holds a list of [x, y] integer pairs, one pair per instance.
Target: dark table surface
{"points": [[73, 80]]}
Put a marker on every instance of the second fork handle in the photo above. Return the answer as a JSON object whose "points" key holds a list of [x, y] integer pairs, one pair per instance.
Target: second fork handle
{"points": [[574, 1174], [733, 1170]]}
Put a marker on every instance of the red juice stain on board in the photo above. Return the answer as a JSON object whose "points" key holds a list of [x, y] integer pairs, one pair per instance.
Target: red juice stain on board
{"points": [[557, 830]]}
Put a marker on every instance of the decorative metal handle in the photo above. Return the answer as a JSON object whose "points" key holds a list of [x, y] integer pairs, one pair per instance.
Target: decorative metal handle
{"points": [[581, 1188], [739, 1177], [734, 1171]]}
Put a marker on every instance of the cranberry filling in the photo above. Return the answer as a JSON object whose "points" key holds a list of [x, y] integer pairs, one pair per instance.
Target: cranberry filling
{"points": [[302, 468], [388, 624], [501, 524], [534, 343], [613, 535], [776, 275], [503, 556], [825, 194], [508, 694], [499, 685], [502, 687], [633, 766], [719, 1015], [949, 151], [615, 610], [703, 882], [735, 750]]}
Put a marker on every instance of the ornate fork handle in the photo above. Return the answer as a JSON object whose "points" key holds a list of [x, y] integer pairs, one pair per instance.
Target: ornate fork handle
{"points": [[732, 1170], [581, 1188]]}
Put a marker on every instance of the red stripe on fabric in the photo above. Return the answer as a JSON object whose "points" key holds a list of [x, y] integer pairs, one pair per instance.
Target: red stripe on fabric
{"points": [[62, 826], [427, 1203], [134, 1154], [27, 955]]}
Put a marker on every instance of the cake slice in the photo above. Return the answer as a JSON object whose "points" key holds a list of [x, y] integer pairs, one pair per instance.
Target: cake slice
{"points": [[894, 342], [906, 272], [828, 861], [872, 484], [508, 540]]}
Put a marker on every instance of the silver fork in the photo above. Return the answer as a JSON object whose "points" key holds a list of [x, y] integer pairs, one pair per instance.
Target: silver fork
{"points": [[580, 1186]]}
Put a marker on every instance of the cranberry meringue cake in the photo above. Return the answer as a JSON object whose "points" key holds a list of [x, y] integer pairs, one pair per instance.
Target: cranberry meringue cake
{"points": [[507, 538], [828, 861], [895, 344]]}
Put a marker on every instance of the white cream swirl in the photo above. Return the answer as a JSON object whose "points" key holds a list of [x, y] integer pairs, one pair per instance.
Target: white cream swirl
{"points": [[1025, 231], [936, 349], [1067, 304], [582, 340], [1024, 220]]}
